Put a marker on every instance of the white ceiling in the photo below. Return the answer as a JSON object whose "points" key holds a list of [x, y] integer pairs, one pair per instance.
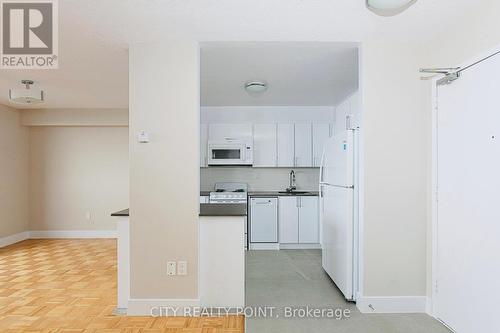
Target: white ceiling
{"points": [[296, 73], [95, 34]]}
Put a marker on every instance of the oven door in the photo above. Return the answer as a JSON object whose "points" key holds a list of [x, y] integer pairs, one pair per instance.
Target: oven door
{"points": [[226, 154]]}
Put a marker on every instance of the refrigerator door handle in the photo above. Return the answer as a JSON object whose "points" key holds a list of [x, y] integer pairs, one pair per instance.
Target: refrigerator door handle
{"points": [[334, 185]]}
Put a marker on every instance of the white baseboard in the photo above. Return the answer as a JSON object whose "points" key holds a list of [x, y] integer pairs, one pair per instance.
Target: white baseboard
{"points": [[264, 246], [394, 304], [9, 240], [73, 234], [144, 307], [300, 246]]}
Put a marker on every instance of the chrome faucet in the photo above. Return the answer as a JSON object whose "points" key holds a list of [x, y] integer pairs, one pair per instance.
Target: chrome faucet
{"points": [[292, 187]]}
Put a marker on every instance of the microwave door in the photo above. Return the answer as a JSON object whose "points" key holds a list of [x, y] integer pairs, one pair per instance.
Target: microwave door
{"points": [[226, 154]]}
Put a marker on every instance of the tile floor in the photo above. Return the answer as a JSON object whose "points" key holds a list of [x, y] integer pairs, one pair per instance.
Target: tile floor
{"points": [[295, 278]]}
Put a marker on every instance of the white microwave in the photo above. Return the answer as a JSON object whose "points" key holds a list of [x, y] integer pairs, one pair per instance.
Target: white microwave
{"points": [[230, 152]]}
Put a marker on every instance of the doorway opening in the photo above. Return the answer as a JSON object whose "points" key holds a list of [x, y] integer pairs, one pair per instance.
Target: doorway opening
{"points": [[280, 128]]}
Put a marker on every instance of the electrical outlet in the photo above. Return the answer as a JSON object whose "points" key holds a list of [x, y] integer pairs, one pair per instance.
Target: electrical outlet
{"points": [[182, 268], [88, 216], [171, 267]]}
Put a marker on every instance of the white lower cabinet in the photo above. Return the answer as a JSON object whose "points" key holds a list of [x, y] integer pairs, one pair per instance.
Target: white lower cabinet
{"points": [[288, 220], [308, 220], [298, 220]]}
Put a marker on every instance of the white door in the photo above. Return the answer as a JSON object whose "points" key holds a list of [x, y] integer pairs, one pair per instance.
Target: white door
{"points": [[288, 220], [320, 134], [308, 220], [303, 145], [286, 149], [264, 145], [264, 220], [468, 209], [203, 145]]}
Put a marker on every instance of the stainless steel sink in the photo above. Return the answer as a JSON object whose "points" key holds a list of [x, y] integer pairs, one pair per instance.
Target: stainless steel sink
{"points": [[294, 192]]}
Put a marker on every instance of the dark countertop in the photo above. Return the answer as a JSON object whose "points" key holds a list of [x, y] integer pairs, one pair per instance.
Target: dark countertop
{"points": [[223, 209], [121, 213], [269, 194], [277, 194]]}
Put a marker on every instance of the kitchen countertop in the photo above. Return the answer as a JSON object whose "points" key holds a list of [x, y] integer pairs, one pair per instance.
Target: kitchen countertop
{"points": [[121, 213], [269, 194], [223, 209], [277, 194]]}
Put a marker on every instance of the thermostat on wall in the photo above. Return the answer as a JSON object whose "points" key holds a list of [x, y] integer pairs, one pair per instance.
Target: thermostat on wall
{"points": [[143, 137]]}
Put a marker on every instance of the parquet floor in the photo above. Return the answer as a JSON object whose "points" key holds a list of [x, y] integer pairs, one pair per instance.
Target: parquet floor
{"points": [[69, 285]]}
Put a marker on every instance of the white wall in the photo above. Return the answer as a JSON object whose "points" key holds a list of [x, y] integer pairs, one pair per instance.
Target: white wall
{"points": [[395, 126], [164, 174], [262, 114], [75, 117], [14, 198], [75, 171]]}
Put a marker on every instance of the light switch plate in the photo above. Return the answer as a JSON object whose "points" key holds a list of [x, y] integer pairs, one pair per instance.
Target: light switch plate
{"points": [[171, 267], [182, 267]]}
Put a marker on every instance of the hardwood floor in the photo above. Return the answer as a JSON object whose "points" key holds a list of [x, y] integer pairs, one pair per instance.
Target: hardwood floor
{"points": [[69, 285]]}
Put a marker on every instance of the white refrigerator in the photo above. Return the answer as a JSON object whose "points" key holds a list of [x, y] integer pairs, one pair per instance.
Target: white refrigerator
{"points": [[338, 207]]}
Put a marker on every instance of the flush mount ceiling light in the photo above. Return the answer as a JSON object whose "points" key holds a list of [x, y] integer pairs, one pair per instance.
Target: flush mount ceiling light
{"points": [[26, 96], [388, 7], [255, 87]]}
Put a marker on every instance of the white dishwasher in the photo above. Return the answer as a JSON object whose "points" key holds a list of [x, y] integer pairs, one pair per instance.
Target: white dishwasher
{"points": [[264, 220]]}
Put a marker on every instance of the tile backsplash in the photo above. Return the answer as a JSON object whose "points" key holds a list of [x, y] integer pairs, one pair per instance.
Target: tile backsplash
{"points": [[260, 179]]}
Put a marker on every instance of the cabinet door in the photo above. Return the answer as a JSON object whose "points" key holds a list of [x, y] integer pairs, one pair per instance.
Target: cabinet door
{"points": [[264, 220], [286, 149], [220, 132], [321, 133], [288, 220], [308, 220], [264, 145], [203, 145], [303, 145]]}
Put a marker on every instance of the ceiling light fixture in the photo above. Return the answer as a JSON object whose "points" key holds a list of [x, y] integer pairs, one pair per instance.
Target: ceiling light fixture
{"points": [[255, 87], [26, 96], [389, 7]]}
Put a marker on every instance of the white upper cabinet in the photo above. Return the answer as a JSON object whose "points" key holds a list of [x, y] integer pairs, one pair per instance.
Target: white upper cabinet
{"points": [[286, 149], [203, 145], [303, 145], [264, 145], [229, 131], [274, 145], [321, 133]]}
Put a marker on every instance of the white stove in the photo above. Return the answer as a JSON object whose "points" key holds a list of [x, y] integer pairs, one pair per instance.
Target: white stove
{"points": [[229, 193]]}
